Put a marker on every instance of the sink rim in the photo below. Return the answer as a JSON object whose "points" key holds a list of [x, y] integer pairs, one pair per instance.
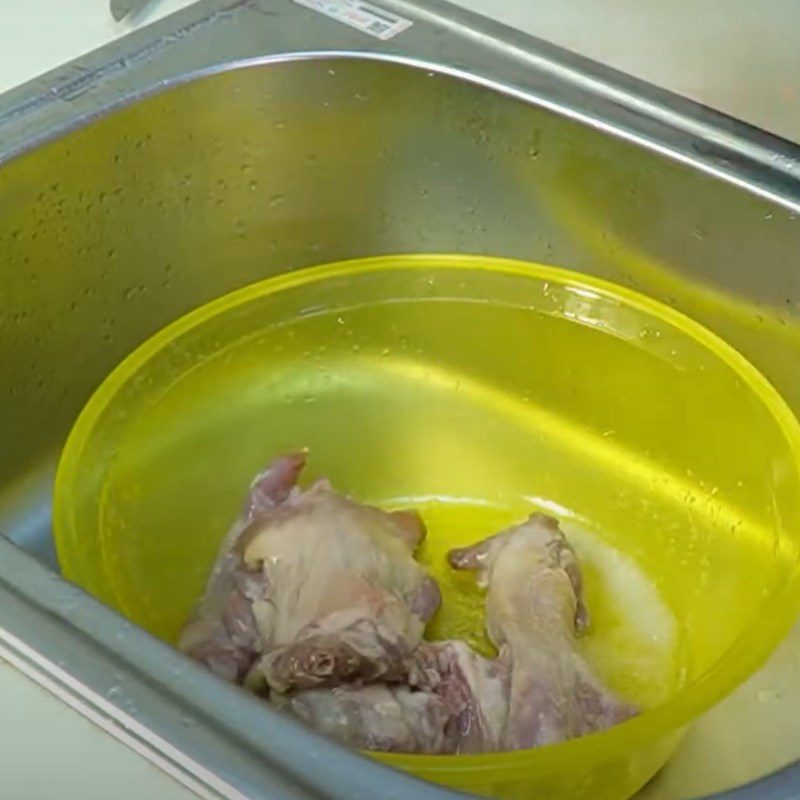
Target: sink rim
{"points": [[604, 98]]}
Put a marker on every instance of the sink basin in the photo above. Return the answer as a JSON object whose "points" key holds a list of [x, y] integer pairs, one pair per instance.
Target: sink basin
{"points": [[238, 140]]}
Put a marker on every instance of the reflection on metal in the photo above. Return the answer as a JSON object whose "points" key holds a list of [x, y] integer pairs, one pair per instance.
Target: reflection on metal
{"points": [[122, 8], [243, 138]]}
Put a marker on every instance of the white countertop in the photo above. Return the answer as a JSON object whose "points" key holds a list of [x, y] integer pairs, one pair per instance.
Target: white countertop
{"points": [[49, 751]]}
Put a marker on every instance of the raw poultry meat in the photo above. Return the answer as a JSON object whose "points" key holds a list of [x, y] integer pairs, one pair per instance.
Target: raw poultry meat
{"points": [[534, 608], [222, 631], [473, 690], [389, 718], [317, 603], [453, 701], [311, 588]]}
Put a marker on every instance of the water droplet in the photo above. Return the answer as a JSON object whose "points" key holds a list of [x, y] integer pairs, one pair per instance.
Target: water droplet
{"points": [[276, 200], [534, 148], [649, 333], [133, 291]]}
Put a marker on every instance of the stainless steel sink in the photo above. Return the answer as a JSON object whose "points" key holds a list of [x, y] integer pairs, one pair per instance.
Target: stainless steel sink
{"points": [[240, 139]]}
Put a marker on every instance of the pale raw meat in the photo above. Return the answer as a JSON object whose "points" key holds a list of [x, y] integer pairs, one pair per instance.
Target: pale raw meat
{"points": [[312, 589], [534, 608], [392, 719], [473, 690], [455, 701], [222, 632], [316, 602]]}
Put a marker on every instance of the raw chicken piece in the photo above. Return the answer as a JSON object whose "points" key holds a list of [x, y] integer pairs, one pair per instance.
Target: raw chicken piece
{"points": [[312, 589], [455, 702], [222, 632], [392, 719], [473, 690], [317, 601], [534, 608]]}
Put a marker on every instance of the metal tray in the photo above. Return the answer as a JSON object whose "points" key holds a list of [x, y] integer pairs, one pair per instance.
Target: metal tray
{"points": [[239, 139]]}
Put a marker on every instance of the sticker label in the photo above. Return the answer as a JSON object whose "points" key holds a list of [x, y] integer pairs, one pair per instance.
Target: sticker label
{"points": [[365, 17]]}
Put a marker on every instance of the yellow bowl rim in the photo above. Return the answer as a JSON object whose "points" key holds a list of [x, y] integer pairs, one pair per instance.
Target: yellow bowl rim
{"points": [[689, 702]]}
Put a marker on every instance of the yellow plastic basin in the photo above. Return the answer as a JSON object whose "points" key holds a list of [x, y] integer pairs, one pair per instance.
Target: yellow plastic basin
{"points": [[476, 389]]}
